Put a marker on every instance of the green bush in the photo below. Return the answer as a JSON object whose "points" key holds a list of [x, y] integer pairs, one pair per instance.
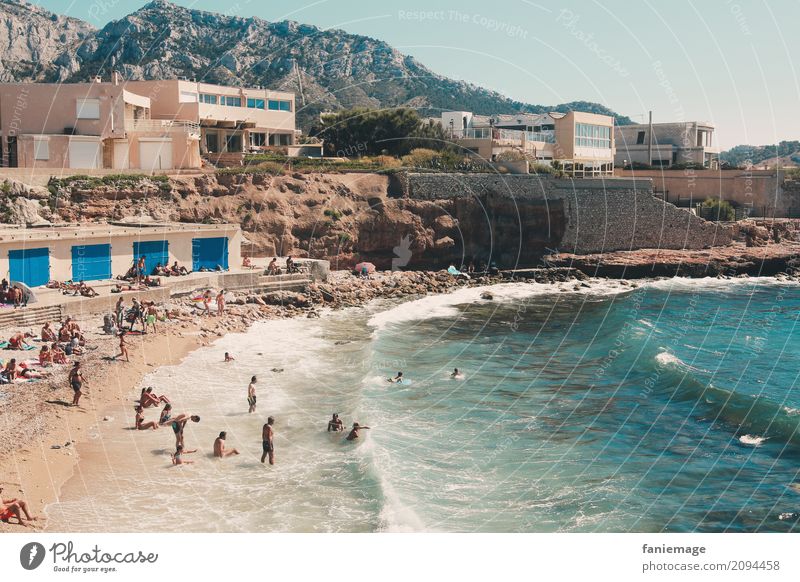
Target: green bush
{"points": [[717, 210], [333, 214], [511, 156]]}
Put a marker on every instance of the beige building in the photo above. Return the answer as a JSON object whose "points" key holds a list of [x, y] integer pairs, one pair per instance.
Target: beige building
{"points": [[35, 256], [583, 143], [686, 142], [231, 119], [146, 125]]}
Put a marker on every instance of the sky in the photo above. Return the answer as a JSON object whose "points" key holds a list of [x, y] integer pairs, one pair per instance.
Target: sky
{"points": [[729, 62]]}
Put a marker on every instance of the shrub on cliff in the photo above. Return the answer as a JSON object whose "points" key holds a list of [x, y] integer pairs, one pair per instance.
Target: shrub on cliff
{"points": [[718, 210], [359, 132]]}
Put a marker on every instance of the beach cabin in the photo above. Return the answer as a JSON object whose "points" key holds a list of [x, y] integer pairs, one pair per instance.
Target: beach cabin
{"points": [[93, 252]]}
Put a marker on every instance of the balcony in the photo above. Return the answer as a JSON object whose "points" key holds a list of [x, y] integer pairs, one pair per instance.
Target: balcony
{"points": [[503, 135], [190, 128]]}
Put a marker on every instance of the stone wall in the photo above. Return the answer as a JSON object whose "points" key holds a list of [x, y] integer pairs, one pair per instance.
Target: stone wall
{"points": [[580, 216], [764, 191]]}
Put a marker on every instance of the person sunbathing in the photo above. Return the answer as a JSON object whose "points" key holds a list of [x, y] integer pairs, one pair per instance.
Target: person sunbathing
{"points": [[64, 334], [152, 281], [14, 507], [140, 424], [18, 342], [160, 271], [147, 398], [58, 355], [87, 291], [45, 357], [272, 268], [13, 370], [246, 263], [48, 335], [178, 269]]}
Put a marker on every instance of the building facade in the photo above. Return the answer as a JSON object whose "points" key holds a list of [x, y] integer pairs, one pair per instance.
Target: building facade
{"points": [[582, 143], [145, 125], [231, 119], [35, 256], [689, 142]]}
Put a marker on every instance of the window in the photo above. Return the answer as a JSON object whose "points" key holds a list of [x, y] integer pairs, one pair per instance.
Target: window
{"points": [[187, 97], [255, 103], [592, 136], [206, 98], [258, 139], [640, 138], [233, 101], [275, 105], [87, 109], [41, 148]]}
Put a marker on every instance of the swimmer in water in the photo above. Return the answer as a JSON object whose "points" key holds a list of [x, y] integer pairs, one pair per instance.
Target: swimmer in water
{"points": [[354, 432], [228, 357], [397, 379], [335, 424], [456, 374]]}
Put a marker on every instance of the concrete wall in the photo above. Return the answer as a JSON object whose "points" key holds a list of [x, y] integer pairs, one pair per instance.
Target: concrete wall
{"points": [[593, 215], [764, 190]]}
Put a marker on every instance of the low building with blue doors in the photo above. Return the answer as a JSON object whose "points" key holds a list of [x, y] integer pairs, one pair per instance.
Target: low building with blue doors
{"points": [[95, 252]]}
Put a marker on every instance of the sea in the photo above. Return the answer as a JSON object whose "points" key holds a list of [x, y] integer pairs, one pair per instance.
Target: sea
{"points": [[672, 406]]}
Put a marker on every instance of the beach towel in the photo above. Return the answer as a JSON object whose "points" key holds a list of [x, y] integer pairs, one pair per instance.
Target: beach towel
{"points": [[3, 345]]}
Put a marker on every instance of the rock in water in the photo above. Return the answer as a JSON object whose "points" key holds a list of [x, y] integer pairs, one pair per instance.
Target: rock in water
{"points": [[487, 295]]}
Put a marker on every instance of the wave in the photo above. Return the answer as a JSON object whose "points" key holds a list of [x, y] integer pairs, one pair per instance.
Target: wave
{"points": [[446, 306], [751, 415], [715, 284]]}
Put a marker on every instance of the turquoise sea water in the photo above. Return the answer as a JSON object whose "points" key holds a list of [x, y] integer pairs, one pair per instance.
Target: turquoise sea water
{"points": [[670, 407]]}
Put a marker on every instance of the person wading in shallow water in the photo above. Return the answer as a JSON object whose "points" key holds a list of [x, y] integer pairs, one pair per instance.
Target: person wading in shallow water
{"points": [[251, 394], [354, 432], [267, 435]]}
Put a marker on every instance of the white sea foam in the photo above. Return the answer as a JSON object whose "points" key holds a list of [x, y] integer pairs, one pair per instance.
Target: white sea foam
{"points": [[749, 439], [668, 359], [445, 305]]}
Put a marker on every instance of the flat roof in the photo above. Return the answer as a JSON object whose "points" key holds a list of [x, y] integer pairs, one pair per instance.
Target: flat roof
{"points": [[14, 233]]}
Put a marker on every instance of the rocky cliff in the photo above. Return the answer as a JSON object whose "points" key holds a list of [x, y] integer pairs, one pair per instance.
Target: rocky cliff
{"points": [[328, 69]]}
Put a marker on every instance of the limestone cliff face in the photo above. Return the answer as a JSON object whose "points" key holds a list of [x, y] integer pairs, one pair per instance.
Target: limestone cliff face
{"points": [[341, 217], [36, 44]]}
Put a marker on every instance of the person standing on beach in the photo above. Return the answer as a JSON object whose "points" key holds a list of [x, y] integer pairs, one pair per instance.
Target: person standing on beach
{"points": [[119, 312], [221, 303], [123, 347], [76, 381], [266, 441], [251, 394], [151, 315], [219, 447], [207, 302]]}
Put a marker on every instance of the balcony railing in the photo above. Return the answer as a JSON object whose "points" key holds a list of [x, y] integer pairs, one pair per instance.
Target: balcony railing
{"points": [[191, 128], [498, 134]]}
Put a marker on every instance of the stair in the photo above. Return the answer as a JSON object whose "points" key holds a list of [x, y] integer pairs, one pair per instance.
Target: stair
{"points": [[27, 317]]}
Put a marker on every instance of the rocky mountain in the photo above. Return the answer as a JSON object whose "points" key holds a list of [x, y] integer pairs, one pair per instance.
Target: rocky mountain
{"points": [[33, 42], [785, 154], [328, 69]]}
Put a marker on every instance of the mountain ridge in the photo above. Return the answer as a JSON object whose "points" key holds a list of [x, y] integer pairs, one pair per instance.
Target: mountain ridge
{"points": [[328, 69]]}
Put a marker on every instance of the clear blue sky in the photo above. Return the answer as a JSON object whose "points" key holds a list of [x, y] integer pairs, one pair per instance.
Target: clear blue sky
{"points": [[724, 61]]}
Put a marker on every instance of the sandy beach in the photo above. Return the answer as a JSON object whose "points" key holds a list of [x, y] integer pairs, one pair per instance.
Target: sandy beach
{"points": [[41, 434]]}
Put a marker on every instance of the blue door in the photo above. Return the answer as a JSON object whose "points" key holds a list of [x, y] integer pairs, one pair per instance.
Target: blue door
{"points": [[91, 262], [154, 251], [209, 252], [30, 266]]}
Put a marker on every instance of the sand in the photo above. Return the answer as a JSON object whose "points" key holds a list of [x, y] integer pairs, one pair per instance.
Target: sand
{"points": [[35, 417]]}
